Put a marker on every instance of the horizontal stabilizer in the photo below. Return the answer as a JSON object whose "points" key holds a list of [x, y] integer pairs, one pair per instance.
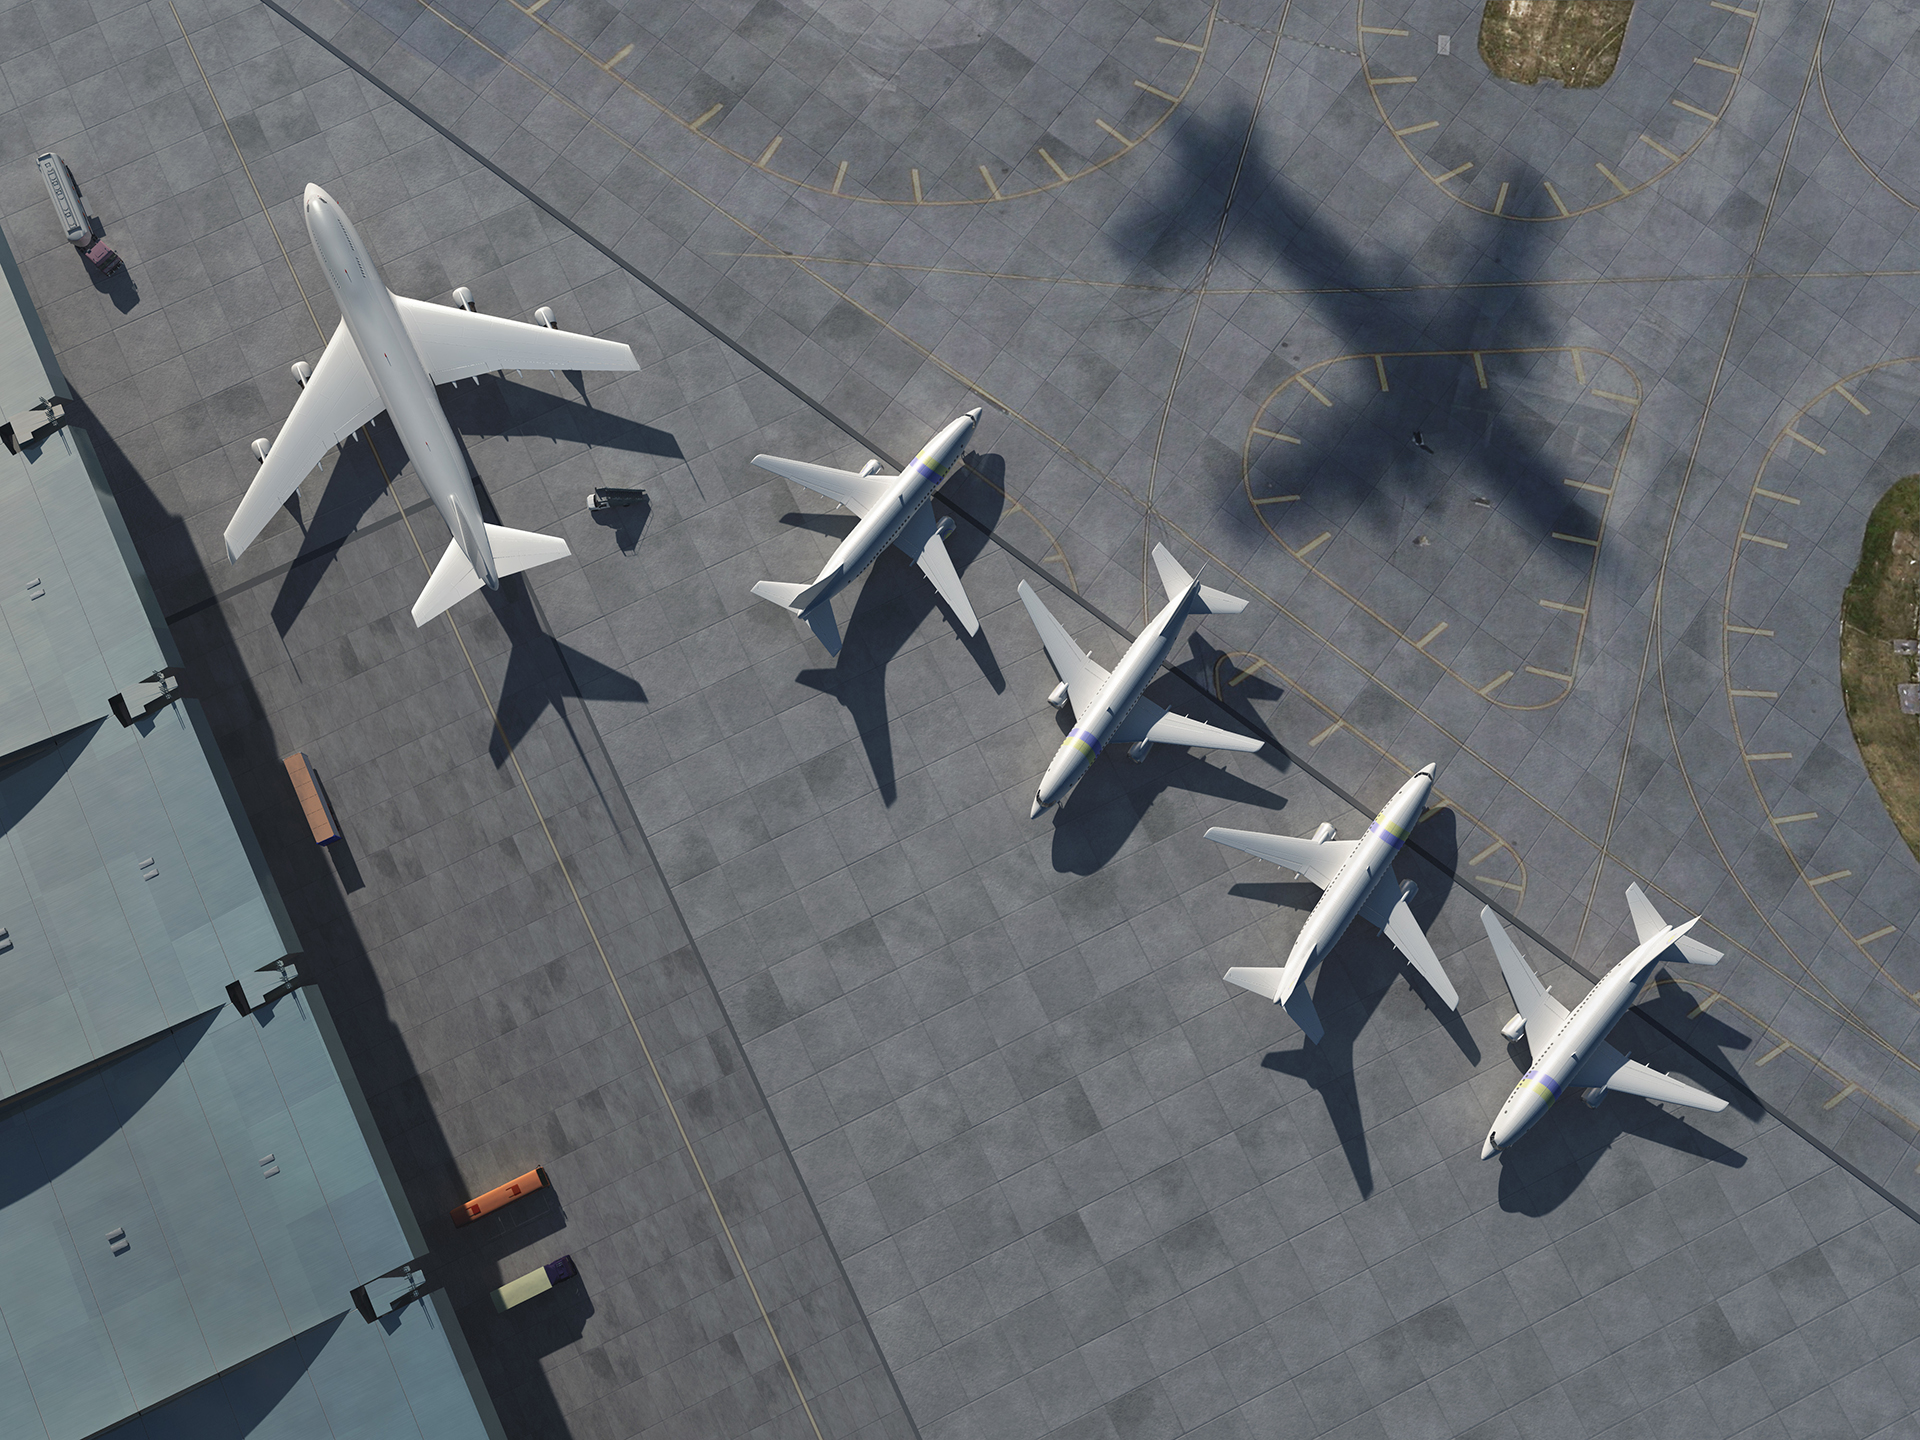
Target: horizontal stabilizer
{"points": [[1174, 576], [454, 578], [782, 593], [1269, 983], [1648, 923], [1316, 860], [805, 602]]}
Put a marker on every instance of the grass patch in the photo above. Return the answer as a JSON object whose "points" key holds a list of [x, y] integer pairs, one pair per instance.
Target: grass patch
{"points": [[1882, 605], [1576, 42]]}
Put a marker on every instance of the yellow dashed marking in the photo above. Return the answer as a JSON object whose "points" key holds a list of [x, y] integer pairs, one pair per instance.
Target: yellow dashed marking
{"points": [[1618, 184], [1579, 372], [1583, 485], [1554, 195], [1380, 30], [711, 111], [1396, 80], [1314, 544], [1734, 9], [619, 55], [1495, 683], [1277, 500], [1771, 755], [1325, 733], [1794, 819], [1775, 1053], [1716, 65], [1156, 90], [1697, 1011], [1113, 132], [1179, 44], [1793, 434], [772, 146], [1748, 630], [1053, 164], [1547, 674], [1380, 369], [1848, 396], [1417, 129], [1612, 395], [992, 188], [1568, 609], [1431, 635], [1576, 539], [1480, 369], [1880, 934], [1706, 115], [1456, 170], [1757, 694], [839, 177], [1503, 884], [1763, 540], [1830, 877], [1314, 391], [1849, 1090], [1486, 852], [1500, 200], [1775, 495], [1661, 148], [1277, 435]]}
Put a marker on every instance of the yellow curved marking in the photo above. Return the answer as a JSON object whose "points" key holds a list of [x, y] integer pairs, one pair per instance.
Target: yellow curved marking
{"points": [[761, 163], [1820, 78], [1261, 505], [1759, 494], [1619, 190], [1252, 664]]}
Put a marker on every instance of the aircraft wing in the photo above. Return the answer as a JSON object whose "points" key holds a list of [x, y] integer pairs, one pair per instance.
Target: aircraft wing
{"points": [[1541, 1011], [920, 539], [337, 400], [1072, 664], [1387, 908], [859, 493], [1318, 860], [1148, 721], [1607, 1066], [457, 344]]}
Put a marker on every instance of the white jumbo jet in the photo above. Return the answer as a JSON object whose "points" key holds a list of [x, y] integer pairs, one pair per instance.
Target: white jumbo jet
{"points": [[893, 510], [1570, 1046], [387, 354], [1356, 878], [1111, 708]]}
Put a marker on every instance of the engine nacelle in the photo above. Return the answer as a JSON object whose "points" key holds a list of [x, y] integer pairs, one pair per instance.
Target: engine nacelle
{"points": [[1594, 1095], [261, 448], [1408, 890], [1139, 750], [872, 467], [1325, 832], [945, 527], [1514, 1028], [1057, 696], [463, 297], [302, 373], [546, 317]]}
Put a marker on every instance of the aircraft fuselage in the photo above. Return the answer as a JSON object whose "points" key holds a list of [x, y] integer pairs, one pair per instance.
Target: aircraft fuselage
{"points": [[1370, 864], [1117, 697], [373, 320], [882, 525], [1556, 1057]]}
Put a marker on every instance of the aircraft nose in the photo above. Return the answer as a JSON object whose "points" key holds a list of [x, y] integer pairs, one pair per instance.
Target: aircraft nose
{"points": [[314, 192], [974, 413], [1428, 770], [1038, 809], [1489, 1150]]}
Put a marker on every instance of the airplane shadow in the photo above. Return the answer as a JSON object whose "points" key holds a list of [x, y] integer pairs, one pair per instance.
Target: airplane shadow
{"points": [[892, 603], [348, 491], [1668, 1008], [543, 671], [1504, 451]]}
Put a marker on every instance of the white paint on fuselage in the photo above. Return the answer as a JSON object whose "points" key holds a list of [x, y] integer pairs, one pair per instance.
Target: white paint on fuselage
{"points": [[1116, 699], [373, 320], [882, 525], [1369, 863], [1557, 1057]]}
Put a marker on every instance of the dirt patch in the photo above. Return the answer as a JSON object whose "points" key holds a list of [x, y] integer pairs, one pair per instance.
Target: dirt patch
{"points": [[1576, 42], [1882, 606]]}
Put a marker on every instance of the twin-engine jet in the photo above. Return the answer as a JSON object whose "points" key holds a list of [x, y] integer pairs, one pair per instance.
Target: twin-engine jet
{"points": [[387, 354], [1356, 878], [1570, 1046], [893, 510], [1110, 706]]}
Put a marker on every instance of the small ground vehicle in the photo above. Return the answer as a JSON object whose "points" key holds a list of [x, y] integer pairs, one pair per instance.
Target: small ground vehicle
{"points": [[64, 191]]}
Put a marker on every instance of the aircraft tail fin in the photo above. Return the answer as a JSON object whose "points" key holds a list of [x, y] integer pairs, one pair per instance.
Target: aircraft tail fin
{"points": [[1270, 983], [1647, 923], [1206, 600], [454, 578], [804, 601]]}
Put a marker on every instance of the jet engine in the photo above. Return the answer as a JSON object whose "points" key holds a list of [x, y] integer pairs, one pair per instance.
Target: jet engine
{"points": [[945, 527], [1594, 1095], [463, 297], [260, 449], [1139, 750], [1325, 832], [546, 317], [1408, 890], [1058, 695], [872, 467], [1514, 1028], [302, 373]]}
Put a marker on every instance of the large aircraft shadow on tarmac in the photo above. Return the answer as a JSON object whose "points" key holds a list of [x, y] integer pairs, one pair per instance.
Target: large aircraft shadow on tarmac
{"points": [[382, 1062], [1502, 456], [1350, 985], [893, 601]]}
